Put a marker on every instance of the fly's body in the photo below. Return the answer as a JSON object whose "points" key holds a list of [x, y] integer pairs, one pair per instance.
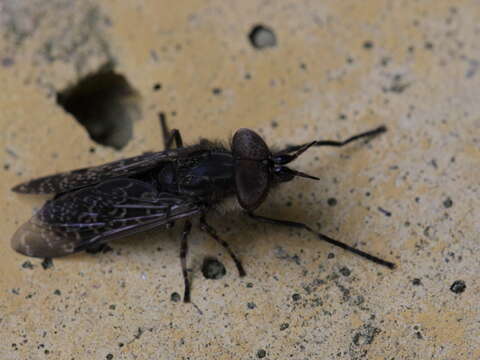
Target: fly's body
{"points": [[95, 205]]}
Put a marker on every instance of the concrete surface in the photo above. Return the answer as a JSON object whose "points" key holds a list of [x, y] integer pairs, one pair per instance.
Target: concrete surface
{"points": [[328, 69]]}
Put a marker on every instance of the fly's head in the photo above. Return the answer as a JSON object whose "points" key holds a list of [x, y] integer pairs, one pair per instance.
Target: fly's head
{"points": [[257, 169]]}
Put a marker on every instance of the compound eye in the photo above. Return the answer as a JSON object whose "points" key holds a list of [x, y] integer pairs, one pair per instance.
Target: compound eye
{"points": [[247, 144], [252, 181], [252, 175]]}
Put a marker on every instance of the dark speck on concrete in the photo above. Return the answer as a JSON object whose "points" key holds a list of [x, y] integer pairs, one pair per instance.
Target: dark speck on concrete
{"points": [[274, 124], [458, 287], [27, 265], [251, 305], [284, 326], [109, 357], [213, 269], [175, 297], [57, 292], [47, 263], [416, 282], [261, 354], [296, 297], [216, 91], [157, 87], [332, 201], [448, 203], [384, 212], [428, 45], [249, 285], [345, 271], [368, 45], [330, 255]]}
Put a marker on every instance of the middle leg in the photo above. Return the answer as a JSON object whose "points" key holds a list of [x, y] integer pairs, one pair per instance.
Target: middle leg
{"points": [[183, 260]]}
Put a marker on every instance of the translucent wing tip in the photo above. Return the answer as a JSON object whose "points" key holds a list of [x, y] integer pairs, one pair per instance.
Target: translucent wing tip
{"points": [[35, 241]]}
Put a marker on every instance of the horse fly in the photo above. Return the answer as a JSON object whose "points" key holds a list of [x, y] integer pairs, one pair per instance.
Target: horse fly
{"points": [[98, 204]]}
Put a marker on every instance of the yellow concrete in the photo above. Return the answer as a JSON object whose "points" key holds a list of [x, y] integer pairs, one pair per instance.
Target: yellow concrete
{"points": [[119, 303]]}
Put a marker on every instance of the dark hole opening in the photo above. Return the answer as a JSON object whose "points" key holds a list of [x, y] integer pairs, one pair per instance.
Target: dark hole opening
{"points": [[213, 269], [262, 37], [105, 104]]}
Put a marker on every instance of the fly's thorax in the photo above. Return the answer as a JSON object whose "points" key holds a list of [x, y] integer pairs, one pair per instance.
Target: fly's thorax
{"points": [[209, 175]]}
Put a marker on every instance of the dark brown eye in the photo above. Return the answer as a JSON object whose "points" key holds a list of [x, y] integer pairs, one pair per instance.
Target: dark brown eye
{"points": [[252, 177], [252, 180], [247, 144]]}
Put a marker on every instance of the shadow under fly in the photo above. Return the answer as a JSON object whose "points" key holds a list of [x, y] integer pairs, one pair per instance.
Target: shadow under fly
{"points": [[95, 205]]}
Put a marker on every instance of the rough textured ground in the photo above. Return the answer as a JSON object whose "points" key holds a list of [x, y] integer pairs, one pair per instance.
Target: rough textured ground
{"points": [[328, 70]]}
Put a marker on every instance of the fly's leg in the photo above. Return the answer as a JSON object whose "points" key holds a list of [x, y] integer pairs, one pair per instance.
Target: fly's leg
{"points": [[183, 260], [298, 225], [371, 133], [169, 136], [211, 231]]}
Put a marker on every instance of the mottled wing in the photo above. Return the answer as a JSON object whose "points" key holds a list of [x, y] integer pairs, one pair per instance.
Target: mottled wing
{"points": [[96, 214], [62, 182]]}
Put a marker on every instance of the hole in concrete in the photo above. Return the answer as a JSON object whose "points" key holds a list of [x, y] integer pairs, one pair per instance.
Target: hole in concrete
{"points": [[213, 269], [262, 37], [105, 104]]}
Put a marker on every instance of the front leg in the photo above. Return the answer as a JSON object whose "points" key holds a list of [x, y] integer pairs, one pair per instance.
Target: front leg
{"points": [[169, 136], [298, 225], [372, 133]]}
